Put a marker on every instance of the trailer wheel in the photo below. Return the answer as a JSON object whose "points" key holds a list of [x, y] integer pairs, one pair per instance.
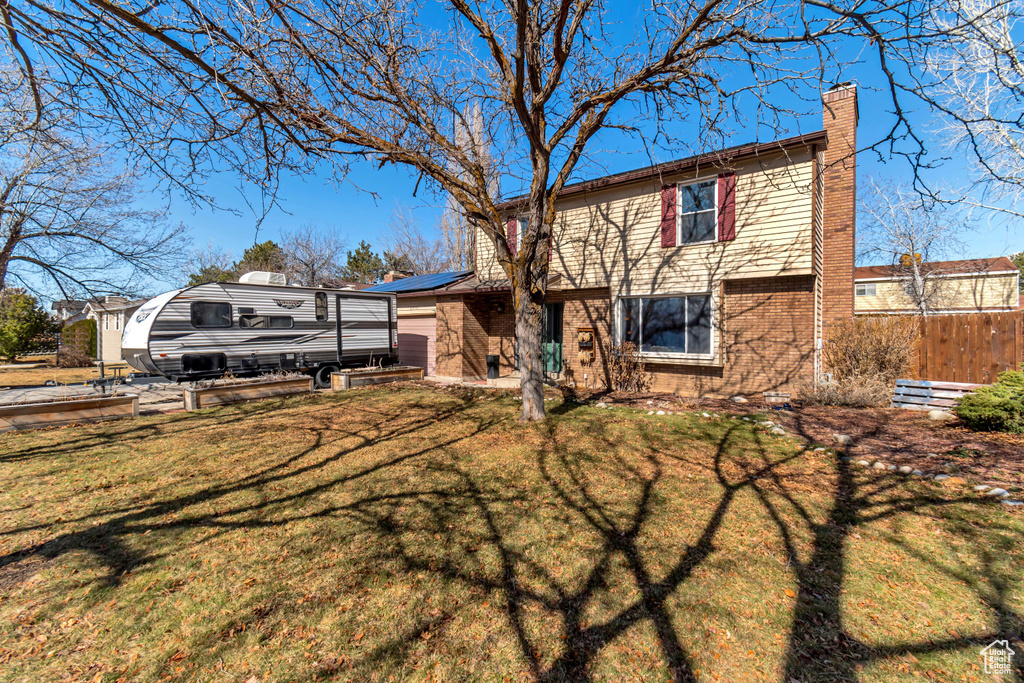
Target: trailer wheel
{"points": [[322, 378]]}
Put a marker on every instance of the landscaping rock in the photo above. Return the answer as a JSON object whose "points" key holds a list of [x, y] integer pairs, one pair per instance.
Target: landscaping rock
{"points": [[778, 431], [906, 469], [661, 412], [940, 415], [917, 473], [878, 466], [819, 449], [767, 423], [997, 493], [705, 415], [891, 468], [940, 477], [739, 399], [650, 412], [863, 463], [842, 439], [982, 487], [845, 459], [602, 404], [1012, 503], [650, 403]]}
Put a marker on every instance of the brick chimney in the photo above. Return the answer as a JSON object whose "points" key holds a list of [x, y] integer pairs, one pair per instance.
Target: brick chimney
{"points": [[839, 215], [397, 275]]}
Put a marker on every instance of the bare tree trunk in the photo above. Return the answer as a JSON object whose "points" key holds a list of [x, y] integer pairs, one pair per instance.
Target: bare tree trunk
{"points": [[529, 308]]}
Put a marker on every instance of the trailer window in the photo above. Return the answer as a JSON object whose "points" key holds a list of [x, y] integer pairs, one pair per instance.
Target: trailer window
{"points": [[211, 314], [266, 322], [321, 306]]}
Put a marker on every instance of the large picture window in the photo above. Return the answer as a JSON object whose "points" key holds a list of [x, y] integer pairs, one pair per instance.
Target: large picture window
{"points": [[211, 314], [670, 324], [697, 217]]}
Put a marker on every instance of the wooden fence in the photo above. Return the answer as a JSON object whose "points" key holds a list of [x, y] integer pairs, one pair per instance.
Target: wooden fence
{"points": [[970, 347]]}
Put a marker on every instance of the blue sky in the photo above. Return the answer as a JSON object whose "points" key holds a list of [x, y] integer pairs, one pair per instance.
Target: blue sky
{"points": [[361, 206]]}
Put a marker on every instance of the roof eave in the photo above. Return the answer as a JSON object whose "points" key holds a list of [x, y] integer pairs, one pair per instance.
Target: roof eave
{"points": [[750, 150]]}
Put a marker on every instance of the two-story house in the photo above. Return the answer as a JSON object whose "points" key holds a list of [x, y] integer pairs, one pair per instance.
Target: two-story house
{"points": [[722, 269], [979, 285]]}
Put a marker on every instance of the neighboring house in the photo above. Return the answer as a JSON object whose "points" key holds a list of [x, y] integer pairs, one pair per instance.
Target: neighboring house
{"points": [[110, 314], [417, 321], [69, 311], [971, 286], [723, 268]]}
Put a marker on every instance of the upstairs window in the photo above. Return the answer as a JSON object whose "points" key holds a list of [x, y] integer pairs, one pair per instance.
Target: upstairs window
{"points": [[266, 322], [321, 306], [867, 289], [669, 325], [697, 216], [210, 314]]}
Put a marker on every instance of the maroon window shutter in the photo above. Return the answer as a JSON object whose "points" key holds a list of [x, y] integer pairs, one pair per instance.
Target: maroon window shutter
{"points": [[726, 207], [668, 216], [510, 231]]}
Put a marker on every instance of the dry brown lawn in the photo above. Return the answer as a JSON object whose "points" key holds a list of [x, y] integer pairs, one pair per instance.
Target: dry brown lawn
{"points": [[416, 534]]}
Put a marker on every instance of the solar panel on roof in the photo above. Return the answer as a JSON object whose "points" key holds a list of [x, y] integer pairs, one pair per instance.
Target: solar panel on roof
{"points": [[420, 282]]}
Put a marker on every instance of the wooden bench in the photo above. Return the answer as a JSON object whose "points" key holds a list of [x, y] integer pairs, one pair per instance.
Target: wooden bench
{"points": [[914, 394]]}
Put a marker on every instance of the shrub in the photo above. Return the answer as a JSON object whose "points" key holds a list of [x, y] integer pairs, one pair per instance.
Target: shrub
{"points": [[855, 392], [628, 372], [70, 357], [881, 347], [81, 336], [995, 408]]}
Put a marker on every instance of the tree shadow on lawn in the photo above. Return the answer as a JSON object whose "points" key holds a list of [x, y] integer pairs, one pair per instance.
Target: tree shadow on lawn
{"points": [[105, 539], [603, 492], [820, 648]]}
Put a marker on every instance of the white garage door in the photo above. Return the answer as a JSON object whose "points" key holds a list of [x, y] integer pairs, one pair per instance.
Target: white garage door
{"points": [[416, 341]]}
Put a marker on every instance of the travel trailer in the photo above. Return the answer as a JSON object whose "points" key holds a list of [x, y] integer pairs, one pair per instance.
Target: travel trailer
{"points": [[258, 325]]}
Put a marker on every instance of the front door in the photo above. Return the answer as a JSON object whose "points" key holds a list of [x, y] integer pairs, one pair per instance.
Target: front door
{"points": [[551, 338]]}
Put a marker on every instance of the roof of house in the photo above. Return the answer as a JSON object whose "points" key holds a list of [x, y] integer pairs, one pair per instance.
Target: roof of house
{"points": [[729, 154], [111, 304], [68, 304], [421, 283], [474, 284], [987, 266]]}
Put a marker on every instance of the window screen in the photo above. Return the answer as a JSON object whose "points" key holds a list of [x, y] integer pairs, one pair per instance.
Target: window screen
{"points": [[211, 314], [678, 324], [321, 306], [266, 322], [697, 214]]}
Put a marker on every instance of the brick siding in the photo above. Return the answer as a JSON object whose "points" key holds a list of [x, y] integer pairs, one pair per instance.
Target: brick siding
{"points": [[839, 216]]}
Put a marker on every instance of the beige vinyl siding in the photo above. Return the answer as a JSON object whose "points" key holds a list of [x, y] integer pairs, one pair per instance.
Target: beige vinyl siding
{"points": [[968, 293], [613, 237], [416, 306]]}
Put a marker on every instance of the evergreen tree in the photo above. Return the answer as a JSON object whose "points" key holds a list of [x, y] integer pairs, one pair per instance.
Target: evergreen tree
{"points": [[363, 265], [24, 325]]}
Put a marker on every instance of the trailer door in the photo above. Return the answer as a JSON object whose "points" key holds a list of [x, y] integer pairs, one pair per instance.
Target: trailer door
{"points": [[365, 328]]}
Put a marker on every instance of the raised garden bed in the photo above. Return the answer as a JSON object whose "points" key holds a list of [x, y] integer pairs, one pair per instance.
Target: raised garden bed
{"points": [[241, 392], [67, 411], [349, 379]]}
